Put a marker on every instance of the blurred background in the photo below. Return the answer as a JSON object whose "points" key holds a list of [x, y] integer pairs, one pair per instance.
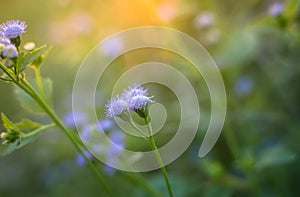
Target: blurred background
{"points": [[256, 45]]}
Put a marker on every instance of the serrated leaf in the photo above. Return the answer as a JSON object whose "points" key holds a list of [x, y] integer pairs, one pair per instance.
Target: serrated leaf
{"points": [[8, 125], [31, 105], [276, 155], [26, 58], [9, 148]]}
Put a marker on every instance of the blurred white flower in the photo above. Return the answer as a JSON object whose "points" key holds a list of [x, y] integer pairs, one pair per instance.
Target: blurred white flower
{"points": [[204, 19]]}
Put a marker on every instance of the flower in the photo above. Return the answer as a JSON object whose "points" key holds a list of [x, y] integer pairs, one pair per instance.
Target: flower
{"points": [[80, 160], [5, 41], [10, 51], [275, 9], [133, 98], [204, 19], [115, 106], [74, 118], [136, 97], [29, 46], [105, 124], [244, 86], [139, 102], [13, 28]]}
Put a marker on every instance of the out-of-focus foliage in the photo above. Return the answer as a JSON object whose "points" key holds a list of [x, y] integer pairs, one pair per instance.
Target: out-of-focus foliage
{"points": [[256, 45]]}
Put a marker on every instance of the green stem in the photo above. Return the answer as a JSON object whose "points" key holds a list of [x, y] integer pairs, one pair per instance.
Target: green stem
{"points": [[131, 122], [40, 129], [158, 157], [23, 84], [69, 134]]}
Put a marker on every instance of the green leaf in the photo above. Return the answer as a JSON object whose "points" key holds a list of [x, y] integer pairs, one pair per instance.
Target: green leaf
{"points": [[9, 148], [31, 105], [26, 125], [41, 59], [26, 58], [8, 125], [276, 155]]}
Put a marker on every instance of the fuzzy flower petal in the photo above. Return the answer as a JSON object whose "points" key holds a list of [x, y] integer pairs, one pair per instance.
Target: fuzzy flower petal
{"points": [[115, 107], [134, 90], [139, 102], [12, 28], [10, 51], [5, 41]]}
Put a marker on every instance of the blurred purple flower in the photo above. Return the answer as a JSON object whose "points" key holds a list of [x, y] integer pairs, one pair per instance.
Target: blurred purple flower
{"points": [[10, 51], [204, 19], [5, 41], [75, 117], [244, 86], [12, 29], [275, 9], [86, 132], [117, 137], [112, 47], [109, 170], [115, 107], [80, 159], [105, 124]]}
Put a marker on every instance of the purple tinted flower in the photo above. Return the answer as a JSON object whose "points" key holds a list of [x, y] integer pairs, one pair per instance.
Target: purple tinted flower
{"points": [[134, 90], [86, 133], [112, 46], [74, 117], [275, 9], [105, 124], [80, 159], [118, 139], [5, 41], [115, 107], [136, 97], [139, 102], [109, 170], [133, 98], [204, 19], [13, 28], [244, 86], [10, 51]]}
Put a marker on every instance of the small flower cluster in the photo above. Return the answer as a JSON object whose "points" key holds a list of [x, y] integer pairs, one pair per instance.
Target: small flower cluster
{"points": [[135, 98], [10, 33], [10, 137]]}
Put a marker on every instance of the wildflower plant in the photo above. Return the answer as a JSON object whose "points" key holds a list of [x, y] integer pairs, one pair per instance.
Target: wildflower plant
{"points": [[34, 94], [135, 99]]}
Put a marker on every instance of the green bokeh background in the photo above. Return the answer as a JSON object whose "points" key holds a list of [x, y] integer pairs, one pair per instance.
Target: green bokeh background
{"points": [[258, 55]]}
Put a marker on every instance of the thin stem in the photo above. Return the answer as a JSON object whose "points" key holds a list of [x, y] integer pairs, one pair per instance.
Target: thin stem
{"points": [[158, 157], [38, 130], [131, 122], [23, 84], [69, 134]]}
